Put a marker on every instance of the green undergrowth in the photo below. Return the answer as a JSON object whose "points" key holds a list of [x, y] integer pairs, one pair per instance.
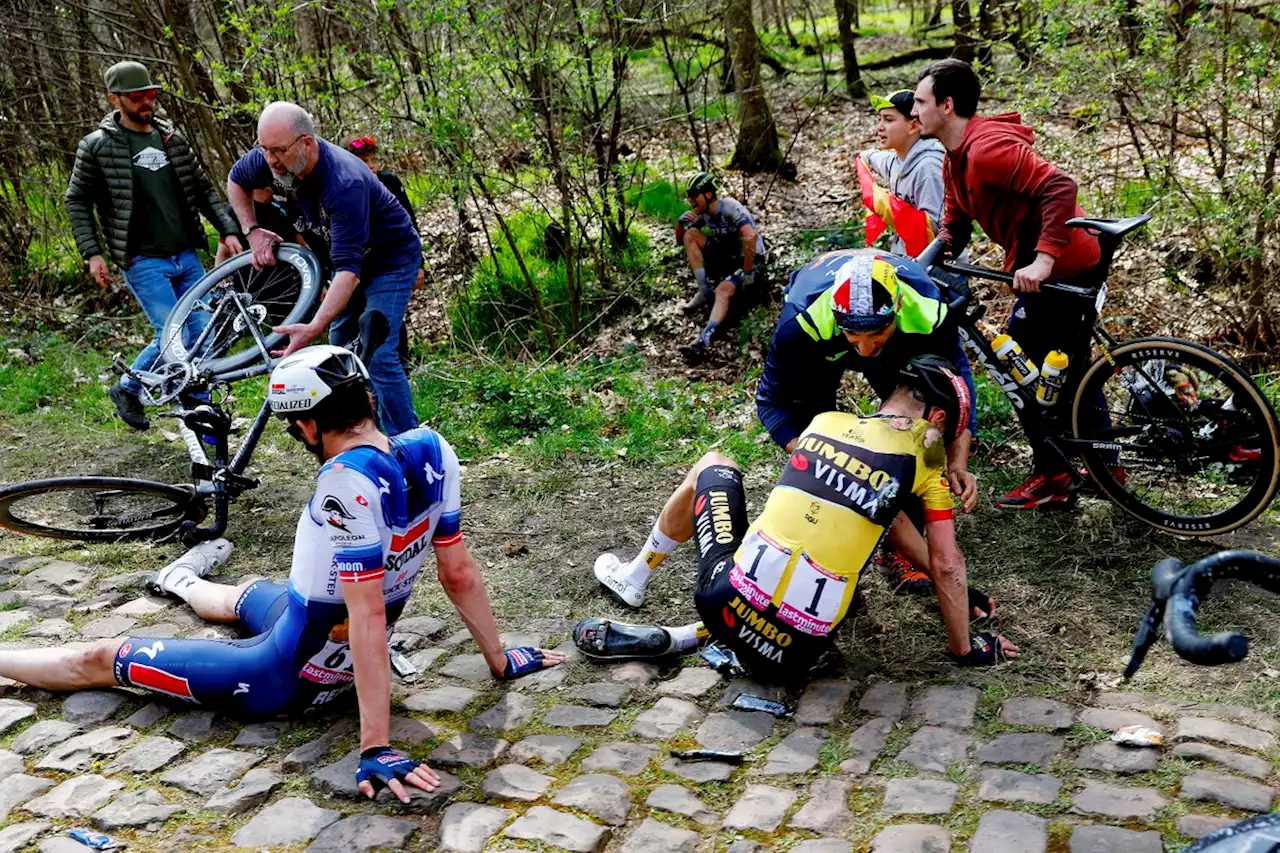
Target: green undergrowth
{"points": [[606, 410], [499, 311]]}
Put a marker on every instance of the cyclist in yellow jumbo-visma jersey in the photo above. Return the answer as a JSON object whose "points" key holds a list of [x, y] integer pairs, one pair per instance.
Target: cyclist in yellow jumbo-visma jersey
{"points": [[775, 590]]}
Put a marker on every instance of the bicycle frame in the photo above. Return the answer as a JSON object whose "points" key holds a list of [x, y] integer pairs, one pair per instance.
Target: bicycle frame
{"points": [[223, 478], [1043, 426]]}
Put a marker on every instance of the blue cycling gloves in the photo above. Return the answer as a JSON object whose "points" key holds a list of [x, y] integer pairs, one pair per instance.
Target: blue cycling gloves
{"points": [[522, 661], [984, 650], [380, 764]]}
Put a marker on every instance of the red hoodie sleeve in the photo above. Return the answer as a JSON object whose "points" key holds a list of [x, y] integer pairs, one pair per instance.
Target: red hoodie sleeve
{"points": [[1012, 165], [957, 224]]}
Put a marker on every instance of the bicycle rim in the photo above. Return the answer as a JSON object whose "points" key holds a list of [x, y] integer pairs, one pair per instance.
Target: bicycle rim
{"points": [[276, 295], [1193, 441], [98, 509]]}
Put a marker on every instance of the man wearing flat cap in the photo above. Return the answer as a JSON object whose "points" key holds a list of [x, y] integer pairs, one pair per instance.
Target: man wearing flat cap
{"points": [[137, 178]]}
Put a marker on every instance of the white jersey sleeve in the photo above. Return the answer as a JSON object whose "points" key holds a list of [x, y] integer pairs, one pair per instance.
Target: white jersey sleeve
{"points": [[345, 505]]}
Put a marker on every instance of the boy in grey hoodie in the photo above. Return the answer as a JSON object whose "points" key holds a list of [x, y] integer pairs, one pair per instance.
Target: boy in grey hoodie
{"points": [[912, 166]]}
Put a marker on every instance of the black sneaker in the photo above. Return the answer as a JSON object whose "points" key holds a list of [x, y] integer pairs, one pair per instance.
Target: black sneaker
{"points": [[694, 353], [129, 407]]}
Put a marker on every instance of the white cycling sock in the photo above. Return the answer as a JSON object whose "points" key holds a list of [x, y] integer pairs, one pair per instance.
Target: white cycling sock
{"points": [[177, 580], [655, 550], [684, 637]]}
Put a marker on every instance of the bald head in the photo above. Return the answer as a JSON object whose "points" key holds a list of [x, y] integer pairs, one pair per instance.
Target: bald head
{"points": [[285, 116], [287, 137]]}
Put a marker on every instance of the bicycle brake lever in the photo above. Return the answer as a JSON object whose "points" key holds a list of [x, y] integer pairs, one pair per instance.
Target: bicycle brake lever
{"points": [[1145, 638]]}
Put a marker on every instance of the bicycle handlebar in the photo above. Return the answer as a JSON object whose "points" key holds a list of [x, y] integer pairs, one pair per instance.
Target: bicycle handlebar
{"points": [[1177, 591]]}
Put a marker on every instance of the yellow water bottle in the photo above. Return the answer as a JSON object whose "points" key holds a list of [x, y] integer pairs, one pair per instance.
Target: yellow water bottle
{"points": [[1020, 367], [1052, 376]]}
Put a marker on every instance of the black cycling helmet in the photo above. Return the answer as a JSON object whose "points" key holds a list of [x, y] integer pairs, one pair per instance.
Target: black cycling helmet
{"points": [[703, 182], [941, 385]]}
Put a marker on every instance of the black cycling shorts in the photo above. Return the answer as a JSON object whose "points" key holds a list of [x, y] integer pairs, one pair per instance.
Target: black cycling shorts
{"points": [[771, 650]]}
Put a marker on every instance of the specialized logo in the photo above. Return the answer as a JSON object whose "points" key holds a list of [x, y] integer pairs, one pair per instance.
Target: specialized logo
{"points": [[242, 687], [433, 476], [151, 158], [997, 375]]}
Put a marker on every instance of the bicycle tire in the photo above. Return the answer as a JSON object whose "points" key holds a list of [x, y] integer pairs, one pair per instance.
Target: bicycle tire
{"points": [[183, 505], [292, 262], [1141, 350]]}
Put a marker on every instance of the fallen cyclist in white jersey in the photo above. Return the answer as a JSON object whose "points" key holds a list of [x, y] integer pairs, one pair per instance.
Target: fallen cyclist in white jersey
{"points": [[360, 544]]}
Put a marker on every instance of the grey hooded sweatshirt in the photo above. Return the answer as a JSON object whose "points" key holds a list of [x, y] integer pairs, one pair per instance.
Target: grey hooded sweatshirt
{"points": [[917, 180]]}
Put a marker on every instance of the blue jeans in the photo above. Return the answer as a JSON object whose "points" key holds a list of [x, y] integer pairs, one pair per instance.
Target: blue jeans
{"points": [[158, 284], [388, 292]]}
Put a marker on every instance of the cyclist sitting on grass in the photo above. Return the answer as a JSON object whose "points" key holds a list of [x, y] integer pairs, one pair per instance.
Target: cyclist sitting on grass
{"points": [[360, 544], [723, 249], [775, 590]]}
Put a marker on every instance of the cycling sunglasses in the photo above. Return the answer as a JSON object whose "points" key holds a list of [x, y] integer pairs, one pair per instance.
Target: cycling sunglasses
{"points": [[142, 96]]}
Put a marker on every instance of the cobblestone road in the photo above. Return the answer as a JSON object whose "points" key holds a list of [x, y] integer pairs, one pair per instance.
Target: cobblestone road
{"points": [[578, 758]]}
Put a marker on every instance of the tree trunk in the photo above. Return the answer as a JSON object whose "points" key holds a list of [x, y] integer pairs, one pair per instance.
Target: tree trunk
{"points": [[846, 12], [986, 32], [757, 148], [963, 22]]}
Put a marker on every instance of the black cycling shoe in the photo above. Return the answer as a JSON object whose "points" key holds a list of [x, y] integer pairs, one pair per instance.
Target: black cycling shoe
{"points": [[129, 407], [604, 639]]}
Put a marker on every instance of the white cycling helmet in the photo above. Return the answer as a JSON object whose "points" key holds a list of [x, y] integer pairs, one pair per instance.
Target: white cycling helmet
{"points": [[309, 376]]}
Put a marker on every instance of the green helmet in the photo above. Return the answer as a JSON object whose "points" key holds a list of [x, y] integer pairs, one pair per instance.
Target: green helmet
{"points": [[703, 182]]}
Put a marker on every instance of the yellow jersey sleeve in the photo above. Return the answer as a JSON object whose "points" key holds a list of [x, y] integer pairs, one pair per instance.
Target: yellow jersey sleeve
{"points": [[931, 482]]}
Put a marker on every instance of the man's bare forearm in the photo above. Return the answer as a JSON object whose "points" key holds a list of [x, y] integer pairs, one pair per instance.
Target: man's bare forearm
{"points": [[748, 252], [953, 598], [372, 663], [241, 201], [339, 294], [462, 582], [958, 452]]}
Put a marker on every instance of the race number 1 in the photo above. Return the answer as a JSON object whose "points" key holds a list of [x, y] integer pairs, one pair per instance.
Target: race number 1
{"points": [[814, 598], [760, 565]]}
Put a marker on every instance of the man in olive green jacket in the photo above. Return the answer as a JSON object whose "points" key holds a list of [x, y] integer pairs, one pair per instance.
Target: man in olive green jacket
{"points": [[138, 177]]}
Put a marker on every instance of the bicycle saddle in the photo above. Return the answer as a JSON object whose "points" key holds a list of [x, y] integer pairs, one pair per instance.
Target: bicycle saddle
{"points": [[1112, 227]]}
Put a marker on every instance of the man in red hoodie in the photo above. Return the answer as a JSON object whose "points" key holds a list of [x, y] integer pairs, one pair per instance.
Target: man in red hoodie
{"points": [[994, 177]]}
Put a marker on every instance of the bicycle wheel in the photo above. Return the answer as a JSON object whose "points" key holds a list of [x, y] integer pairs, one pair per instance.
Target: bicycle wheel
{"points": [[276, 295], [1193, 442], [98, 509]]}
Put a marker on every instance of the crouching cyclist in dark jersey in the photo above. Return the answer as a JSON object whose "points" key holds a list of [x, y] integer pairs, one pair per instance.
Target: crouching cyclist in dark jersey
{"points": [[360, 544], [774, 590]]}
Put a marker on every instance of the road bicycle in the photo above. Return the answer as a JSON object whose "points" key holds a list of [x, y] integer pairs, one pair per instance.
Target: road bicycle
{"points": [[217, 334], [1187, 442], [1176, 594]]}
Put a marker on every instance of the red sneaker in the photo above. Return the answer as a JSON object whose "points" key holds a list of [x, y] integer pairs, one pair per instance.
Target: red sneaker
{"points": [[1241, 453], [902, 573], [1038, 490]]}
